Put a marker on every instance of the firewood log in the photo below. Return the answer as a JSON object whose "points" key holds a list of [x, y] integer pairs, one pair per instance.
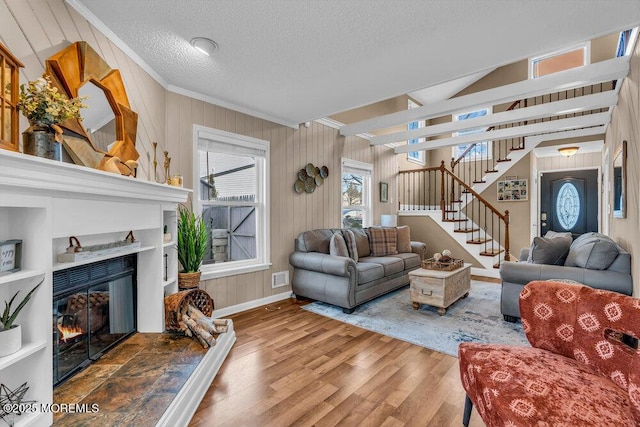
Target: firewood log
{"points": [[205, 338], [217, 326]]}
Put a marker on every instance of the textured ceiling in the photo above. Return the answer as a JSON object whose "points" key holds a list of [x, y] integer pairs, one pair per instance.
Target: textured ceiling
{"points": [[295, 61]]}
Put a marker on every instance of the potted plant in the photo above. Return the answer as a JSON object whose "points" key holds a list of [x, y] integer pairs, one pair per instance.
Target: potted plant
{"points": [[46, 107], [10, 334], [192, 243]]}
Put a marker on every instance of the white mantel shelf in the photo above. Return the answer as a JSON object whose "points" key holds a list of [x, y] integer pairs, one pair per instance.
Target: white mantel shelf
{"points": [[51, 178]]}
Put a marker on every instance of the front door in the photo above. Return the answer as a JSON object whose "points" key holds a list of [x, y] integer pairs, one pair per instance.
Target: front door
{"points": [[569, 201]]}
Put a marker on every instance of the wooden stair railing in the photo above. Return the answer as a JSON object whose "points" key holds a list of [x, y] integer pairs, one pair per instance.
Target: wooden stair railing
{"points": [[438, 188]]}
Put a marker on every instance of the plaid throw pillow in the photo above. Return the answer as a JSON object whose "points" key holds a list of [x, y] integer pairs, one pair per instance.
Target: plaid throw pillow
{"points": [[350, 240], [383, 241]]}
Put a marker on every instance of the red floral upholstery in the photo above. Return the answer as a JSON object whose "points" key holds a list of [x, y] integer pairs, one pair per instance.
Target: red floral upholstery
{"points": [[578, 372]]}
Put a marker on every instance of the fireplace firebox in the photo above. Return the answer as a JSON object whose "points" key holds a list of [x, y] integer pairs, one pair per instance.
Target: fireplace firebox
{"points": [[94, 308]]}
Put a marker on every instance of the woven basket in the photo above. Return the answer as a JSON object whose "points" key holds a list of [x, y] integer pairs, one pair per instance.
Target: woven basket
{"points": [[189, 280], [176, 304]]}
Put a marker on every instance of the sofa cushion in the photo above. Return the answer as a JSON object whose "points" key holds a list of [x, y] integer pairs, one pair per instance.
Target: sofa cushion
{"points": [[410, 261], [551, 249], [390, 264], [352, 246], [314, 240], [368, 272], [593, 251], [337, 246], [383, 241], [403, 239]]}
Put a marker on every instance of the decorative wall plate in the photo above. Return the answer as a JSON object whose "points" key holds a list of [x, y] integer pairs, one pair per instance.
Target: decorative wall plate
{"points": [[319, 180], [324, 172], [310, 185], [311, 169], [302, 174], [298, 187]]}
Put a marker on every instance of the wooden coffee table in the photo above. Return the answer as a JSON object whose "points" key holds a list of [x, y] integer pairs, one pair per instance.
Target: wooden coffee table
{"points": [[439, 288]]}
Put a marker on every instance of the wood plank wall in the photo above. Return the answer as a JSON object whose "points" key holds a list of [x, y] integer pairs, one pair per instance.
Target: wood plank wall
{"points": [[33, 30], [290, 213], [36, 29]]}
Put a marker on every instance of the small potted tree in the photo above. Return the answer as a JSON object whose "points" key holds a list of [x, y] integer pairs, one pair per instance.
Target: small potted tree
{"points": [[192, 243], [10, 334]]}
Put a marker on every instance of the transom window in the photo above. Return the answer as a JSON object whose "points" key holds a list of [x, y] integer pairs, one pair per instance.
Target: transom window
{"points": [[356, 194], [562, 60], [481, 149], [232, 181], [415, 156]]}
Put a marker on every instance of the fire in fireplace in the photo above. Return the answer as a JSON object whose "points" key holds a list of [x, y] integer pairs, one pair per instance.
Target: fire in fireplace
{"points": [[94, 308]]}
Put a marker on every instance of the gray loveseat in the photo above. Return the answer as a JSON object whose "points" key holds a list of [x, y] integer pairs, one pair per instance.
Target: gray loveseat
{"points": [[341, 281], [608, 269]]}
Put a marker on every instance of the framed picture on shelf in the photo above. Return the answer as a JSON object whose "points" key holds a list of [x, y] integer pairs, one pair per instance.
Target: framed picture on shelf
{"points": [[513, 190], [384, 192], [10, 256]]}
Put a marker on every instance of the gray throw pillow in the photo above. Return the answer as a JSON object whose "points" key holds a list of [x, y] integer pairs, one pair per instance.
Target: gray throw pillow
{"points": [[553, 234], [552, 251], [594, 251], [337, 246]]}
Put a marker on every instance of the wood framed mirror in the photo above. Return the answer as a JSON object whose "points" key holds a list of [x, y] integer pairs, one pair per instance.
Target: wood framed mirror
{"points": [[79, 70], [620, 181]]}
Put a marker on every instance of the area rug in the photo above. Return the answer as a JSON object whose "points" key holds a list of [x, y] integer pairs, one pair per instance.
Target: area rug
{"points": [[476, 318]]}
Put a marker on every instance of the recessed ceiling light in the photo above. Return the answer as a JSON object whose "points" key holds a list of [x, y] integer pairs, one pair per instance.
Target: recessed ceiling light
{"points": [[204, 45]]}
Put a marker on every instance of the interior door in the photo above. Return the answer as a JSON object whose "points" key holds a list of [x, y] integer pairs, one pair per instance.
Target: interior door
{"points": [[569, 201]]}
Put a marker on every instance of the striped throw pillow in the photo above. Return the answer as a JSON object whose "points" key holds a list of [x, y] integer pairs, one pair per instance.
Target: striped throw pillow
{"points": [[350, 240]]}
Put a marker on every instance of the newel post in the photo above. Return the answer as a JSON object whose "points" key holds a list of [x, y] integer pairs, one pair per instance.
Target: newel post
{"points": [[442, 189], [507, 257]]}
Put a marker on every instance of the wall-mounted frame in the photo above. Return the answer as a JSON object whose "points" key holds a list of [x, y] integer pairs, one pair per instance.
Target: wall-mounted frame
{"points": [[620, 181], [384, 192], [513, 190]]}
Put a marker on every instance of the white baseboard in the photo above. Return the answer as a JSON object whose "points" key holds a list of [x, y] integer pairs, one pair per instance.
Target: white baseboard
{"points": [[224, 312]]}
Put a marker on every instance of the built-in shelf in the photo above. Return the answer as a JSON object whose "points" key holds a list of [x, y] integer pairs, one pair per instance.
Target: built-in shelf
{"points": [[169, 244], [20, 275], [30, 419], [169, 281], [64, 265], [26, 350]]}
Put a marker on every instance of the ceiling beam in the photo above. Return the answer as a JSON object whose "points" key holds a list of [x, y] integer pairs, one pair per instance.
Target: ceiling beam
{"points": [[512, 132], [611, 69], [556, 108]]}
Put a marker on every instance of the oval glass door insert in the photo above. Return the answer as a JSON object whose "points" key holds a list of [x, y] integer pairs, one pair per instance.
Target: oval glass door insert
{"points": [[568, 206]]}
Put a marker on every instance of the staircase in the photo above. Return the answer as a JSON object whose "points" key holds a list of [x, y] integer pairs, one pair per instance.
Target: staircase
{"points": [[452, 197]]}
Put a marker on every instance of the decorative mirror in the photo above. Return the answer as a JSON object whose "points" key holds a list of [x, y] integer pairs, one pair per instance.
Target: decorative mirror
{"points": [[620, 181], [78, 70]]}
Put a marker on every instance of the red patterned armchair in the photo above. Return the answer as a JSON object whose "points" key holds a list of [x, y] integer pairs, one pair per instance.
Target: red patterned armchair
{"points": [[583, 368]]}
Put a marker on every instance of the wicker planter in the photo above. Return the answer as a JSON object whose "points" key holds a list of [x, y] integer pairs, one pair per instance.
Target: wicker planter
{"points": [[189, 280]]}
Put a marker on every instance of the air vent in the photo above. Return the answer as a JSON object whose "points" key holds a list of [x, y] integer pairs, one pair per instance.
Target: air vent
{"points": [[280, 279]]}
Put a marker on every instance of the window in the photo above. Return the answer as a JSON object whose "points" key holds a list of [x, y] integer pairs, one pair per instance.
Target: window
{"points": [[356, 194], [566, 59], [624, 43], [415, 156], [481, 149], [232, 180]]}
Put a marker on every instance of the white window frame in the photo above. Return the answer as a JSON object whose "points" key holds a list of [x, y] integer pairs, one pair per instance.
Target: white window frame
{"points": [[456, 117], [209, 139], [415, 156], [586, 46], [366, 170]]}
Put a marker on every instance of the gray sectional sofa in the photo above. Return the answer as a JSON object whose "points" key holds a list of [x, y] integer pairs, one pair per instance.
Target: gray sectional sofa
{"points": [[592, 259], [341, 281]]}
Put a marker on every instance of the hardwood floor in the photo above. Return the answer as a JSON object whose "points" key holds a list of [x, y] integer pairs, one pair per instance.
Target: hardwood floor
{"points": [[292, 367]]}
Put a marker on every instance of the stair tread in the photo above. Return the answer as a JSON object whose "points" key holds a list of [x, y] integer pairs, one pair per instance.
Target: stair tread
{"points": [[491, 171], [466, 230], [503, 160], [496, 265], [451, 211], [516, 148], [491, 252], [455, 220], [477, 241], [479, 182]]}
